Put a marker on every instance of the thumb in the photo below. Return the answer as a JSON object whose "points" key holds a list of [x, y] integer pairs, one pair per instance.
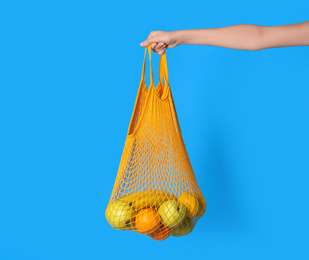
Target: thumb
{"points": [[148, 41]]}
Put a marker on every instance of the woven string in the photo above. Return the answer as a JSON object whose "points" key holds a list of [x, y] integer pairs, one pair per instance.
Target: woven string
{"points": [[155, 173]]}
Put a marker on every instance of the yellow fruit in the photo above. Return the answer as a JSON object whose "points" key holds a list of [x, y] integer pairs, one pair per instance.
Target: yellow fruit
{"points": [[202, 205], [147, 199], [118, 214], [172, 213], [190, 202]]}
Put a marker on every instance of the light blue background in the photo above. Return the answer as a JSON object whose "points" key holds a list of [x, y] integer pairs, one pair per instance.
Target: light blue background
{"points": [[69, 76]]}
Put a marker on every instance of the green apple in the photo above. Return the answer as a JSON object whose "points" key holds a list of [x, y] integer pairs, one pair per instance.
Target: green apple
{"points": [[172, 213], [190, 202], [119, 214], [184, 228]]}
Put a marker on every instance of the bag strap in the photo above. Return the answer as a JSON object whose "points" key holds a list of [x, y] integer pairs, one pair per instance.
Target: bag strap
{"points": [[163, 68], [143, 73]]}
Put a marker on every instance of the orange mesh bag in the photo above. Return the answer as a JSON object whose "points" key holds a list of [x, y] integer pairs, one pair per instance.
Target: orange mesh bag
{"points": [[155, 192]]}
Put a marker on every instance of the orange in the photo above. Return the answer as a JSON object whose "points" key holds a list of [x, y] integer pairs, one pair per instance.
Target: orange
{"points": [[147, 221], [163, 232]]}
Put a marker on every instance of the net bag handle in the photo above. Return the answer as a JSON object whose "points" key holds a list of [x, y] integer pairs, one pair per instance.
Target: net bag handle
{"points": [[163, 69], [144, 63]]}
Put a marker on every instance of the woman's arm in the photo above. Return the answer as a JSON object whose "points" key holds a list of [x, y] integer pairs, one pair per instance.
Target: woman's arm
{"points": [[242, 36]]}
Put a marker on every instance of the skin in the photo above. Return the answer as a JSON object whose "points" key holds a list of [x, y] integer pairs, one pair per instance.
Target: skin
{"points": [[242, 37]]}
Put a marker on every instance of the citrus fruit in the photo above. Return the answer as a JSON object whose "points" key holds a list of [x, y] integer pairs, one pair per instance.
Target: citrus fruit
{"points": [[163, 232], [147, 221]]}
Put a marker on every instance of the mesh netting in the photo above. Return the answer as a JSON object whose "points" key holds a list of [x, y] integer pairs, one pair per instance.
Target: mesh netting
{"points": [[155, 192]]}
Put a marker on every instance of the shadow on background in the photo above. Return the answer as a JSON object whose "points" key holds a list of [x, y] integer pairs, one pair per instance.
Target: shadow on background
{"points": [[222, 190]]}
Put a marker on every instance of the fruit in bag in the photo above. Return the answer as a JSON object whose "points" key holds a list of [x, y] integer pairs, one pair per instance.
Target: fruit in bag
{"points": [[162, 233], [119, 214], [172, 213], [184, 228], [147, 221], [155, 192], [147, 199], [190, 202]]}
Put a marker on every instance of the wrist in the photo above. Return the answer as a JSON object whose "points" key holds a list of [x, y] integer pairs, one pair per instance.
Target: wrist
{"points": [[180, 37], [193, 36]]}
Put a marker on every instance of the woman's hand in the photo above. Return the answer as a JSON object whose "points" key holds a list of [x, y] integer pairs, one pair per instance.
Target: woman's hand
{"points": [[242, 37], [160, 41]]}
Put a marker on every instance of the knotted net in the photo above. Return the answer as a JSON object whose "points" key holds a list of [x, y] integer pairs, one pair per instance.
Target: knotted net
{"points": [[155, 192]]}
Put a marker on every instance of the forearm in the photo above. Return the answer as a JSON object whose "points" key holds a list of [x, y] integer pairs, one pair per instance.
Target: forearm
{"points": [[243, 36], [247, 36]]}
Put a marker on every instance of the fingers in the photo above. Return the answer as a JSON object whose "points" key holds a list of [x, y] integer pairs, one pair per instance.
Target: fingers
{"points": [[161, 52], [160, 48], [148, 41], [153, 46], [157, 45]]}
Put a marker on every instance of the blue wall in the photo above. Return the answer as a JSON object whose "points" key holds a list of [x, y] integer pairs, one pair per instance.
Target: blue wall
{"points": [[69, 76]]}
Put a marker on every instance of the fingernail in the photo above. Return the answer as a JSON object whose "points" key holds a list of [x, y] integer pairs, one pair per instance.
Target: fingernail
{"points": [[141, 44]]}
